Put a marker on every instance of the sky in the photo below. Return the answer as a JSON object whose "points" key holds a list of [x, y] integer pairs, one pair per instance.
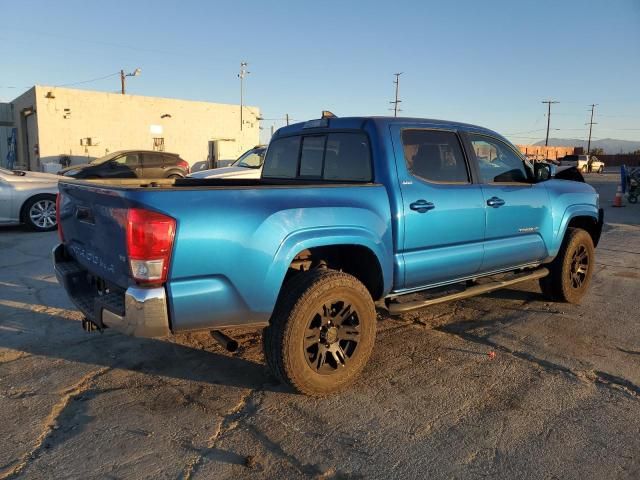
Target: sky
{"points": [[487, 62]]}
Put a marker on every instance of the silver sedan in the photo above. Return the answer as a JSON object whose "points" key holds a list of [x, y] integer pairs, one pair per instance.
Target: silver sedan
{"points": [[29, 198]]}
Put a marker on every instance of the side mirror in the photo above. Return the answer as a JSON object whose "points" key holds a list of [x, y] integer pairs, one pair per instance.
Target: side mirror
{"points": [[543, 171]]}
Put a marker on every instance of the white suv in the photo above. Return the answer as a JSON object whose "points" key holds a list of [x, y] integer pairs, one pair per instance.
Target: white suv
{"points": [[582, 162]]}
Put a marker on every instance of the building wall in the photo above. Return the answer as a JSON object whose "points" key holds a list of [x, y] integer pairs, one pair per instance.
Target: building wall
{"points": [[540, 152], [6, 126], [26, 141], [117, 122]]}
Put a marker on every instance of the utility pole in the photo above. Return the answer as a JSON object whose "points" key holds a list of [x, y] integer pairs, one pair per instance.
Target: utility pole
{"points": [[548, 102], [243, 73], [287, 118], [396, 101], [123, 76], [591, 124]]}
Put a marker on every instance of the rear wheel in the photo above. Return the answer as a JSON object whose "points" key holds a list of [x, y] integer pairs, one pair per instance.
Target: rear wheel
{"points": [[601, 169], [321, 333], [571, 271], [585, 169], [632, 198], [175, 176], [39, 213]]}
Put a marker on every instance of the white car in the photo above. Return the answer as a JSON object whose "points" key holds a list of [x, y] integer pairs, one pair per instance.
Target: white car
{"points": [[582, 162], [29, 198], [248, 165]]}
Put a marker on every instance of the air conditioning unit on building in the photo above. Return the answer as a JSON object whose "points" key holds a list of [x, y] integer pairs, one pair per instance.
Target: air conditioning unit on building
{"points": [[90, 141]]}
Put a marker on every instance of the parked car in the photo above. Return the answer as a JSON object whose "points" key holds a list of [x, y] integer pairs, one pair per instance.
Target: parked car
{"points": [[29, 198], [248, 165], [131, 164], [581, 162], [348, 211]]}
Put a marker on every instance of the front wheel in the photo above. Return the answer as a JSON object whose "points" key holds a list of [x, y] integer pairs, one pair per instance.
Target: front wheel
{"points": [[601, 170], [571, 271], [585, 169], [632, 198], [321, 333], [39, 213]]}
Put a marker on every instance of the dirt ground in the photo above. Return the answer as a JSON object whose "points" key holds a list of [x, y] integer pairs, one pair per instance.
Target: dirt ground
{"points": [[560, 398]]}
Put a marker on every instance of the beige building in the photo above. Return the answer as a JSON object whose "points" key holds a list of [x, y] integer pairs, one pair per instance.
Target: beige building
{"points": [[54, 123], [540, 152]]}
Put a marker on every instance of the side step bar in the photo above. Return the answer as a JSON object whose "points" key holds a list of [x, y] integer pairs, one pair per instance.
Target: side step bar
{"points": [[398, 308]]}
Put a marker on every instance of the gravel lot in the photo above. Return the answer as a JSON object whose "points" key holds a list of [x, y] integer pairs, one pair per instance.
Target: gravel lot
{"points": [[560, 398]]}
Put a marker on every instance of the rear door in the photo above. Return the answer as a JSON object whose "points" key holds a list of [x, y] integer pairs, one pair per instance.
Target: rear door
{"points": [[516, 208], [443, 209], [153, 165]]}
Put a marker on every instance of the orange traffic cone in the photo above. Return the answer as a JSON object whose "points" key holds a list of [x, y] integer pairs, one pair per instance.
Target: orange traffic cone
{"points": [[617, 201]]}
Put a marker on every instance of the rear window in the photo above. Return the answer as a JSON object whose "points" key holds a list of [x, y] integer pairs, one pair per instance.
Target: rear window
{"points": [[335, 156]]}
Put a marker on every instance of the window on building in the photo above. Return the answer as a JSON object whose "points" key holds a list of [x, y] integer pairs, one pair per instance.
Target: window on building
{"points": [[434, 155]]}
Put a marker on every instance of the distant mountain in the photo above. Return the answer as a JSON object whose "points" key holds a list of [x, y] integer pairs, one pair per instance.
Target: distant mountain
{"points": [[609, 145]]}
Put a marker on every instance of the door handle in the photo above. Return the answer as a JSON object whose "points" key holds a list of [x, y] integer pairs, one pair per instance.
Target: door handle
{"points": [[422, 206], [495, 202]]}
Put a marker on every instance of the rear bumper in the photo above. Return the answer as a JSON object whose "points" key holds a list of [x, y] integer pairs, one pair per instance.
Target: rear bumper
{"points": [[140, 312]]}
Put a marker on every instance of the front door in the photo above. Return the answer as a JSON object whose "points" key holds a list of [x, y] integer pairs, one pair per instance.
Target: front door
{"points": [[128, 165], [443, 209], [517, 210]]}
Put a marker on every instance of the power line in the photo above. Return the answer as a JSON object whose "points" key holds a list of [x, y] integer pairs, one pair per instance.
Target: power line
{"points": [[88, 81], [396, 101], [548, 102]]}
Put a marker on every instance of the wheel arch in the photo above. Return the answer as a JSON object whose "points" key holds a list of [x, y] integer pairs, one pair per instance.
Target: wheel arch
{"points": [[354, 250], [585, 217]]}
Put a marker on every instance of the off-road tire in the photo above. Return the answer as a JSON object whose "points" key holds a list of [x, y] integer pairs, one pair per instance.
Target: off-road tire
{"points": [[560, 284], [284, 338]]}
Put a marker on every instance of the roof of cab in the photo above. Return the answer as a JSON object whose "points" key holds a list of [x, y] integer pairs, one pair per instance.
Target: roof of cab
{"points": [[359, 122]]}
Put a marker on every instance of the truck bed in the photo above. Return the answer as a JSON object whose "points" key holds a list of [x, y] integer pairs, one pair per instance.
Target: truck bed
{"points": [[234, 241]]}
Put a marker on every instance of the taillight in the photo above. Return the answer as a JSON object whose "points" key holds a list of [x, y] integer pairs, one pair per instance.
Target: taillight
{"points": [[58, 202], [149, 243], [184, 165]]}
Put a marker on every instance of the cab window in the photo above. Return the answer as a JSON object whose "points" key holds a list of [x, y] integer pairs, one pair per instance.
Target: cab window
{"points": [[434, 156], [336, 156], [497, 162]]}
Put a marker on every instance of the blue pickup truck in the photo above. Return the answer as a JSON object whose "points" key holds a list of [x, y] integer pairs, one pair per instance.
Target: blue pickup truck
{"points": [[348, 212]]}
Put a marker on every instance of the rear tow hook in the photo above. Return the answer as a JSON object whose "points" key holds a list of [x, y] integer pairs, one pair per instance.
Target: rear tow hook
{"points": [[228, 343]]}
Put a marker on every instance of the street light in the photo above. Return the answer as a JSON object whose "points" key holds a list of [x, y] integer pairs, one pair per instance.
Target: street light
{"points": [[243, 73], [135, 73]]}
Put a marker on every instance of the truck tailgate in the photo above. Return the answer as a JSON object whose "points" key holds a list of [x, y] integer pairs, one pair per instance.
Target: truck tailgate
{"points": [[93, 221]]}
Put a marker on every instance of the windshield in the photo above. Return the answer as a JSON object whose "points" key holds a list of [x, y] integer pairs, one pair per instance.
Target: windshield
{"points": [[106, 158], [251, 159]]}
